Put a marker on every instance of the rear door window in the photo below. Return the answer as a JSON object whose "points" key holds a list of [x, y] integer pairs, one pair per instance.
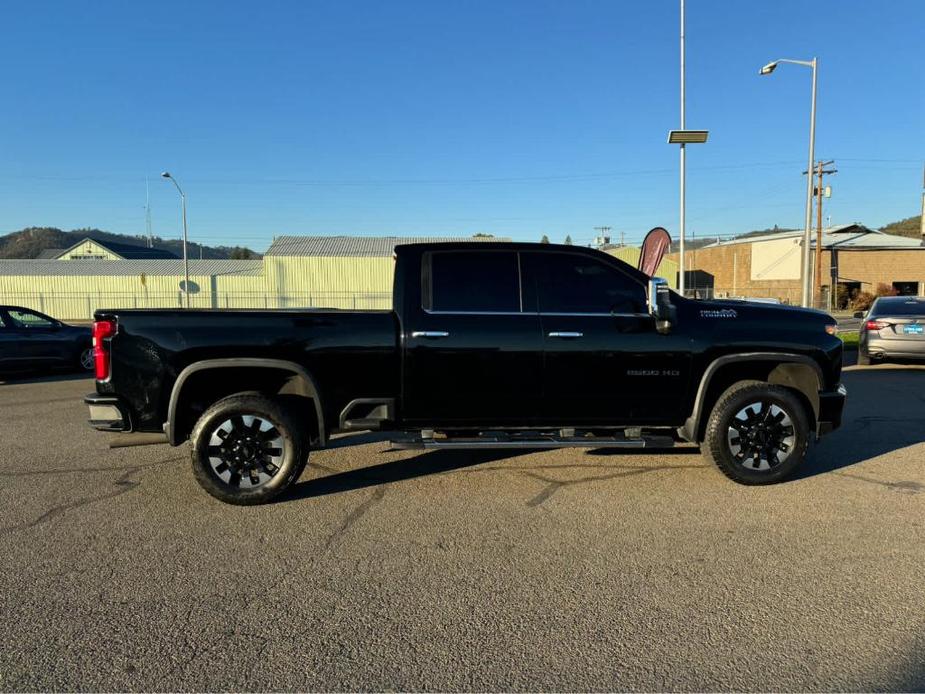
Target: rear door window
{"points": [[472, 282]]}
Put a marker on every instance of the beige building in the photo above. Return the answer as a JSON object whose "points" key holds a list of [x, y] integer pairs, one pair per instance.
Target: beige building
{"points": [[854, 257], [296, 272]]}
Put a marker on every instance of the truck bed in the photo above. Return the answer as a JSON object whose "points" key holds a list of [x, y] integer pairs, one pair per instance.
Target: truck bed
{"points": [[345, 351]]}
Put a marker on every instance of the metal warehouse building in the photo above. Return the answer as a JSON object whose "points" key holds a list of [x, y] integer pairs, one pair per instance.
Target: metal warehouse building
{"points": [[297, 271]]}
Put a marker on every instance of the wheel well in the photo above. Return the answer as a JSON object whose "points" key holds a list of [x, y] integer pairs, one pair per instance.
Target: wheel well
{"points": [[199, 390], [798, 377]]}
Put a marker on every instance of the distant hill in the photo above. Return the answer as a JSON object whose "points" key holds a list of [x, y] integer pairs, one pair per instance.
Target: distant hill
{"points": [[911, 226], [29, 243]]}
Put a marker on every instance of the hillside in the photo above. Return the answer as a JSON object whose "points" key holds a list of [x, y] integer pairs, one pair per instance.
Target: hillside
{"points": [[911, 226], [28, 243]]}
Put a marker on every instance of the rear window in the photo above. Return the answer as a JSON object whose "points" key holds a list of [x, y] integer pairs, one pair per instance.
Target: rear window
{"points": [[473, 281], [899, 307]]}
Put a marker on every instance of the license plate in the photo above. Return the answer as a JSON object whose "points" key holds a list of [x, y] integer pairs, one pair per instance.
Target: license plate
{"points": [[914, 329]]}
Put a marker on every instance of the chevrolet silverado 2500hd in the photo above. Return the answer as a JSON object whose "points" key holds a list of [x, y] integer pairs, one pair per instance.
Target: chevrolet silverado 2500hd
{"points": [[498, 345]]}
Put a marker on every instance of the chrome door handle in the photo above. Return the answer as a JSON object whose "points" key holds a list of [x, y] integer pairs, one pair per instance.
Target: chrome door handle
{"points": [[559, 334], [430, 333]]}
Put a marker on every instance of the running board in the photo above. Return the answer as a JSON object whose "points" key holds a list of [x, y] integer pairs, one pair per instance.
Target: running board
{"points": [[486, 442]]}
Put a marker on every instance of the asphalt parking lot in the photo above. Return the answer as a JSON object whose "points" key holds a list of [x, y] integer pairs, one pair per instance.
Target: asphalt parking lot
{"points": [[556, 570]]}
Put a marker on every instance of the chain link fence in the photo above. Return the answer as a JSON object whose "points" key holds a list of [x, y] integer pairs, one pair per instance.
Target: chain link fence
{"points": [[79, 306], [783, 295]]}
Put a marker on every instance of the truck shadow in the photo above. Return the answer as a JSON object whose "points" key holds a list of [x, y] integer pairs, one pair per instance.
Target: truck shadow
{"points": [[427, 463], [885, 413], [28, 377]]}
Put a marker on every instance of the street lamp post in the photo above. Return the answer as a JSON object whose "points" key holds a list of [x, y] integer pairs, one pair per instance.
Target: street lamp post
{"points": [[186, 286], [683, 137], [807, 231]]}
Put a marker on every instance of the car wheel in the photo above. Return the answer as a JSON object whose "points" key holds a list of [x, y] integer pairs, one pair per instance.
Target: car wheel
{"points": [[757, 433], [86, 360], [247, 449]]}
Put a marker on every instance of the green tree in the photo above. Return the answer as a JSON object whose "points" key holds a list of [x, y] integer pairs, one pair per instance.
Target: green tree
{"points": [[568, 240], [545, 239]]}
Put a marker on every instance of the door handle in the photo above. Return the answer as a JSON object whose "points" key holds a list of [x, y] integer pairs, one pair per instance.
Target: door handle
{"points": [[566, 334], [430, 333]]}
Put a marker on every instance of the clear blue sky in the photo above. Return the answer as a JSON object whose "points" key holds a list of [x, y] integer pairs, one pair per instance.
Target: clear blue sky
{"points": [[516, 118]]}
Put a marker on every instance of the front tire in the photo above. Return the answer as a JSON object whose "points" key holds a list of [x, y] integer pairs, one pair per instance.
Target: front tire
{"points": [[246, 449], [757, 433]]}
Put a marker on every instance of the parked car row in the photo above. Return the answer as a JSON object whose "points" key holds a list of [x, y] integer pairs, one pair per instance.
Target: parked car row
{"points": [[30, 341]]}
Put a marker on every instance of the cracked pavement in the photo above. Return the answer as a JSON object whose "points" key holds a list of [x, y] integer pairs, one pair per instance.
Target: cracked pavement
{"points": [[494, 570]]}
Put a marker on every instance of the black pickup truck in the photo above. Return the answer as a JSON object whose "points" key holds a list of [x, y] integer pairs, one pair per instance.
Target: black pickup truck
{"points": [[506, 345]]}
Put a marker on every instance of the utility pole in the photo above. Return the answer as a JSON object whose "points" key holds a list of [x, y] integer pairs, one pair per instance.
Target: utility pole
{"points": [[148, 215], [817, 284], [603, 235], [623, 233], [922, 219]]}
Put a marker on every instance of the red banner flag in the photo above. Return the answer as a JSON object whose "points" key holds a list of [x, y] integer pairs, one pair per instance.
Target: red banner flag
{"points": [[654, 247]]}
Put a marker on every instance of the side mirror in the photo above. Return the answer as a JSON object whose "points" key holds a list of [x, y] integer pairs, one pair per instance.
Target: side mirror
{"points": [[659, 304], [859, 314]]}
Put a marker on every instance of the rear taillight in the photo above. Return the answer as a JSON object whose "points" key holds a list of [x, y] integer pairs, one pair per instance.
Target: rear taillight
{"points": [[102, 331], [876, 325]]}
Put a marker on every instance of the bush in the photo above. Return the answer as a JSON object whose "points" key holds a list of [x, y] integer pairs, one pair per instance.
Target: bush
{"points": [[861, 301], [886, 290]]}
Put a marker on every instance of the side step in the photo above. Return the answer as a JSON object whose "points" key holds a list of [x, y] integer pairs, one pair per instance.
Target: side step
{"points": [[537, 442]]}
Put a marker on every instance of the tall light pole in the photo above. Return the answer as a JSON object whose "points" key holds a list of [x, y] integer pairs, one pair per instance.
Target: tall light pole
{"points": [[186, 286], [684, 137], [807, 232], [682, 285]]}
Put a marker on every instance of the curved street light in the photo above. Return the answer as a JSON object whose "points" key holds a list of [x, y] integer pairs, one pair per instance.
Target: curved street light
{"points": [[186, 286], [807, 237]]}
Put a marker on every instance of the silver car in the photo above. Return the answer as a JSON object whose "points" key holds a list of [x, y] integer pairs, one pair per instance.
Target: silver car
{"points": [[893, 328]]}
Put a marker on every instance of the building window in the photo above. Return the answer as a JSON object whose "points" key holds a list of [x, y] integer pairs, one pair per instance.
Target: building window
{"points": [[906, 288]]}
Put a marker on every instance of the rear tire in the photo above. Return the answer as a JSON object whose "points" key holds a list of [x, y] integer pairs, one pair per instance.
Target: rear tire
{"points": [[247, 448], [757, 433]]}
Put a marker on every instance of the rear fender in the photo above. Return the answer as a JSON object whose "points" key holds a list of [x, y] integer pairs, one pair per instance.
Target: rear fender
{"points": [[300, 383]]}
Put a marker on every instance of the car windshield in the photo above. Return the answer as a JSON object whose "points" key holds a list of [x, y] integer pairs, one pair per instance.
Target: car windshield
{"points": [[899, 307]]}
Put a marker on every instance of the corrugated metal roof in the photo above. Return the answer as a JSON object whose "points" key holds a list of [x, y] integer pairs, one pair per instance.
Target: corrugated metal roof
{"points": [[127, 251], [98, 268], [357, 246], [841, 236], [50, 253]]}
